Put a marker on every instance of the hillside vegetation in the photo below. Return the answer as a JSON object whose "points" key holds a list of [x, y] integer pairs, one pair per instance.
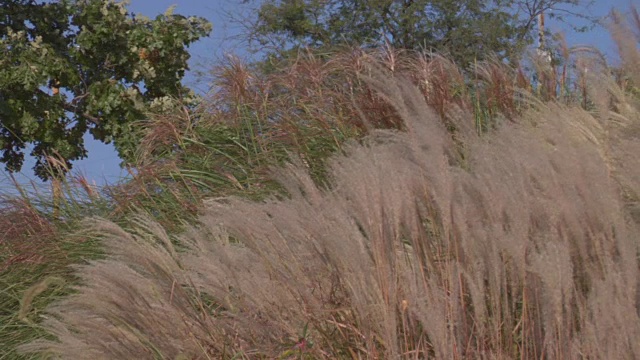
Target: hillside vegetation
{"points": [[364, 204]]}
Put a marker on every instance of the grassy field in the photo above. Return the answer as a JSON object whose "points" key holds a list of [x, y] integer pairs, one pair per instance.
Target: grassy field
{"points": [[376, 205]]}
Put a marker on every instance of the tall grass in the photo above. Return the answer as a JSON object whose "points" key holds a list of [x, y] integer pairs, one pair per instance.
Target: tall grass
{"points": [[428, 243], [429, 212], [308, 107], [38, 242]]}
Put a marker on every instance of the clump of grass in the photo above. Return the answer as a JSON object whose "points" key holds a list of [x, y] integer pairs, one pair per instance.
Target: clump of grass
{"points": [[515, 250], [33, 216], [37, 247], [435, 248], [308, 107]]}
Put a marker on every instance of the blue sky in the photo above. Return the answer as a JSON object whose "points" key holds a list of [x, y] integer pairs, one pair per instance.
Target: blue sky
{"points": [[102, 165]]}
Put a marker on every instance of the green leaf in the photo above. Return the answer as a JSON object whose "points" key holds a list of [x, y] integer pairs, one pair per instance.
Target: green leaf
{"points": [[69, 60]]}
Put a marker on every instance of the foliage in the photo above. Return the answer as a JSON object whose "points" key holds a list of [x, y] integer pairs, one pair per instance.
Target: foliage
{"points": [[74, 66], [526, 246], [467, 30], [273, 298], [36, 248]]}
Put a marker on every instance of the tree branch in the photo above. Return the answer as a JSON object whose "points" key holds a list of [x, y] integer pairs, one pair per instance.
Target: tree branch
{"points": [[92, 119], [74, 109]]}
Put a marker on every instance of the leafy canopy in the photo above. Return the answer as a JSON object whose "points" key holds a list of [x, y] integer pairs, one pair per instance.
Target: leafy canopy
{"points": [[468, 30], [69, 67]]}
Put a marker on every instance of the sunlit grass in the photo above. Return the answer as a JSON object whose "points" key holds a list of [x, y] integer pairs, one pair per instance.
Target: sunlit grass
{"points": [[309, 109]]}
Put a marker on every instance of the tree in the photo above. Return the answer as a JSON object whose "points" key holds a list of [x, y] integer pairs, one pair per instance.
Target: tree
{"points": [[69, 67], [468, 30]]}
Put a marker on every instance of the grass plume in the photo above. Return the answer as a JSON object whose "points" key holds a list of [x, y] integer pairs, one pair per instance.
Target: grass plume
{"points": [[515, 248], [467, 215]]}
